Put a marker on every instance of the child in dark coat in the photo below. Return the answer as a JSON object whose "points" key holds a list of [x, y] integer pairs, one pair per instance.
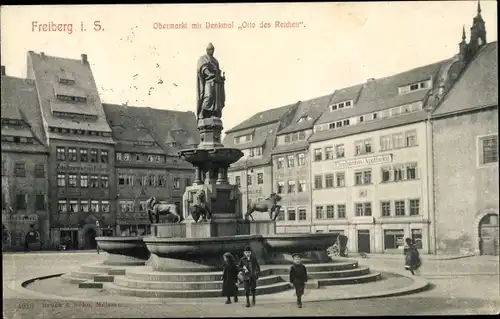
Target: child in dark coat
{"points": [[412, 257], [230, 278], [298, 278]]}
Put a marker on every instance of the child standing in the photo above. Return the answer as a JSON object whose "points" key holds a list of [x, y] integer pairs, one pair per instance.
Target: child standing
{"points": [[412, 257], [298, 277], [230, 278]]}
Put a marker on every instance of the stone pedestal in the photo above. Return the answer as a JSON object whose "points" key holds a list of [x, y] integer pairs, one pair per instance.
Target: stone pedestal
{"points": [[263, 227], [222, 228], [210, 132], [168, 230]]}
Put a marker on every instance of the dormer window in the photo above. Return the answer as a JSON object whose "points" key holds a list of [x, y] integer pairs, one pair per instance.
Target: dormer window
{"points": [[65, 77], [341, 105], [304, 118], [361, 119], [422, 85]]}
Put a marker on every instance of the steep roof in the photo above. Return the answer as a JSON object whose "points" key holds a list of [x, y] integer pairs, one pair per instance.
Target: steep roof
{"points": [[310, 109], [264, 117], [266, 138], [476, 87], [380, 94], [20, 102], [46, 72]]}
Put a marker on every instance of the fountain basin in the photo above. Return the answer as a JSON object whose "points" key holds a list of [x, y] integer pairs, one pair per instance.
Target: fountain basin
{"points": [[299, 243], [221, 155], [126, 251]]}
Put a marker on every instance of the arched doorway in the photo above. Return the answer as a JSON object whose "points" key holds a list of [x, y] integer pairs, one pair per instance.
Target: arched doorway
{"points": [[90, 236], [488, 235]]}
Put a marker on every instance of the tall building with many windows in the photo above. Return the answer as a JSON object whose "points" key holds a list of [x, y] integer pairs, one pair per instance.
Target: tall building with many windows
{"points": [[291, 166], [256, 137]]}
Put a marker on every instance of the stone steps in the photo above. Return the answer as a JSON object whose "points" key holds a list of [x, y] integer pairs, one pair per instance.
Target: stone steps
{"points": [[95, 269], [91, 285], [72, 280], [329, 274], [182, 277], [186, 285], [84, 274], [349, 280], [157, 293]]}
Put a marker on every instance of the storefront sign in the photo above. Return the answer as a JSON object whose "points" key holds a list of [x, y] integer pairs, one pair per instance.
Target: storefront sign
{"points": [[372, 160], [85, 169], [20, 218]]}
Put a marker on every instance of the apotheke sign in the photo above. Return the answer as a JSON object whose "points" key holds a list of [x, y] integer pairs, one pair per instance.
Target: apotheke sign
{"points": [[372, 160]]}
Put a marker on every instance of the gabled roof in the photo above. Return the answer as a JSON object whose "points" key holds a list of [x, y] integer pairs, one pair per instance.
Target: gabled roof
{"points": [[311, 109], [264, 118], [20, 102], [380, 94], [369, 126], [476, 87], [291, 147], [346, 94], [46, 71]]}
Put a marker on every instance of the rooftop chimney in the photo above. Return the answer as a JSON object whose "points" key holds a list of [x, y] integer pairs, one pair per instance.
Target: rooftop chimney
{"points": [[370, 79], [84, 58], [3, 69]]}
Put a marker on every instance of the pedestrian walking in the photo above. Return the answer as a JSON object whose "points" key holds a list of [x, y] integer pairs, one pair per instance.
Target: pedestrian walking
{"points": [[298, 277], [412, 256], [250, 269], [230, 278]]}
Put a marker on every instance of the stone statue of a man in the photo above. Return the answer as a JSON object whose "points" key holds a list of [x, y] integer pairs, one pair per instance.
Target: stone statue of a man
{"points": [[210, 87]]}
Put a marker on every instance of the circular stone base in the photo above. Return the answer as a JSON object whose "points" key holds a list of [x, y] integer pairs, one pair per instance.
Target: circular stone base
{"points": [[121, 260]]}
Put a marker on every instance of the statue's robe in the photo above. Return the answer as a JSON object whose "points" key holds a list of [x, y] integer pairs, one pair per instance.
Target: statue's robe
{"points": [[211, 95]]}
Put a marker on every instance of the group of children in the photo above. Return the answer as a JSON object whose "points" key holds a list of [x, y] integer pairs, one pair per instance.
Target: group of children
{"points": [[247, 272]]}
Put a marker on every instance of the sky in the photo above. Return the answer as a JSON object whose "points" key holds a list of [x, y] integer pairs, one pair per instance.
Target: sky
{"points": [[334, 45]]}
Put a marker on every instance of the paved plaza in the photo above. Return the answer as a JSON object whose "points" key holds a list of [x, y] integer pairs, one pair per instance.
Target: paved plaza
{"points": [[460, 286]]}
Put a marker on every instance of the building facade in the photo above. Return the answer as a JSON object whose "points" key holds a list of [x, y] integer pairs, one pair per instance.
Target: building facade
{"points": [[256, 138], [24, 165], [465, 154], [291, 167]]}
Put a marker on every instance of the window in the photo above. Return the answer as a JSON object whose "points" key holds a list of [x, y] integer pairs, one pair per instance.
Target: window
{"points": [[281, 215], [374, 116], [341, 211], [302, 135], [123, 206], [489, 149], [290, 160], [363, 209], [368, 146], [249, 179], [361, 119], [84, 157], [94, 181], [386, 174], [328, 153], [119, 156], [363, 147], [93, 155], [61, 180], [60, 153], [62, 207], [318, 181], [142, 182], [358, 148], [260, 178], [399, 207], [280, 163], [416, 236], [395, 111], [39, 171], [248, 137], [339, 150], [302, 214], [287, 138], [84, 180], [73, 206], [187, 181], [105, 206], [237, 181], [411, 171], [152, 180], [341, 179], [346, 122], [281, 187], [72, 182], [385, 208], [393, 238], [21, 201], [72, 154], [318, 154], [237, 140], [138, 157], [363, 177], [414, 207], [301, 159], [104, 181], [410, 138], [104, 156], [20, 169], [177, 183], [291, 214], [161, 180], [328, 180], [330, 211], [302, 186], [94, 206], [40, 202], [251, 153], [258, 151], [291, 186], [319, 212], [143, 206], [398, 173], [398, 140], [84, 205]]}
